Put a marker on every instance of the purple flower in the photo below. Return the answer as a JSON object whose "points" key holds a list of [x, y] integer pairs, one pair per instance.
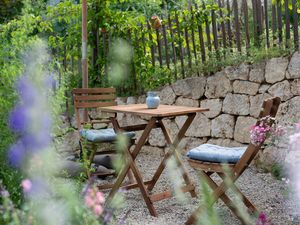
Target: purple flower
{"points": [[27, 91], [16, 154], [36, 142], [18, 119]]}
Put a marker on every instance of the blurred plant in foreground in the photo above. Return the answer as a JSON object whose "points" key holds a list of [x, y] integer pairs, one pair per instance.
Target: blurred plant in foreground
{"points": [[50, 198]]}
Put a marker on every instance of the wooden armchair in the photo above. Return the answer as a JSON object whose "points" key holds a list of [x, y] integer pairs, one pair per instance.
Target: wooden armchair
{"points": [[212, 159], [90, 138]]}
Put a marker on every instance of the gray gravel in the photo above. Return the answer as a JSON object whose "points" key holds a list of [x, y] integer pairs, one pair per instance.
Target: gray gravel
{"points": [[268, 194]]}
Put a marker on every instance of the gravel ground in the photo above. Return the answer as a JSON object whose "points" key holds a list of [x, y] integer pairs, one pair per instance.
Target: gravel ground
{"points": [[267, 193]]}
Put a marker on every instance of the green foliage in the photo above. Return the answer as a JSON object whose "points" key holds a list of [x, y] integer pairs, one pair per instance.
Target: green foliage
{"points": [[278, 171]]}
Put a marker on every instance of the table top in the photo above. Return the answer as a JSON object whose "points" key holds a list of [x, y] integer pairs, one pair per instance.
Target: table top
{"points": [[161, 111]]}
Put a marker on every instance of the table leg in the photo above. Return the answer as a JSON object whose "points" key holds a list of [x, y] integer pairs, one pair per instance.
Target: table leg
{"points": [[172, 151], [130, 163]]}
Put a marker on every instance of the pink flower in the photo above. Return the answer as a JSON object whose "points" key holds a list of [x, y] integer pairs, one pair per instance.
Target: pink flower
{"points": [[26, 185], [98, 210], [89, 202], [100, 197]]}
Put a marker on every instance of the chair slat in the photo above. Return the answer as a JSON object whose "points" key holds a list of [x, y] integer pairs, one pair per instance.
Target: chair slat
{"points": [[93, 90], [94, 97], [93, 104]]}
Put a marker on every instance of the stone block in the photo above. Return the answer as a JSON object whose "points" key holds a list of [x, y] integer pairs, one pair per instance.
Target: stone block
{"points": [[222, 126], [236, 104]]}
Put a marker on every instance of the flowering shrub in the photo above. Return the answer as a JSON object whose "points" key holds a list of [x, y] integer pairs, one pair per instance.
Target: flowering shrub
{"points": [[260, 131]]}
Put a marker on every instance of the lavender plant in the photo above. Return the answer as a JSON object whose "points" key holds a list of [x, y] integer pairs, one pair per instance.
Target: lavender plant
{"points": [[50, 199]]}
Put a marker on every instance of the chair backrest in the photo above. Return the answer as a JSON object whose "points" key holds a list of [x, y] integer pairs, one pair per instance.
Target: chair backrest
{"points": [[91, 98], [269, 108]]}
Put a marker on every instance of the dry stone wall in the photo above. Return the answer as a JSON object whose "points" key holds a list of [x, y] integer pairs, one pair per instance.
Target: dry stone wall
{"points": [[234, 97]]}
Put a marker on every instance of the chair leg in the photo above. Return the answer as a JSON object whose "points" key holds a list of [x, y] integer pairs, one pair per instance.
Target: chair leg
{"points": [[225, 199], [246, 201]]}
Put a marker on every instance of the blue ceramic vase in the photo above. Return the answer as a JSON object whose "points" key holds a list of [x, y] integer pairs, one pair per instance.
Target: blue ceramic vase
{"points": [[152, 100]]}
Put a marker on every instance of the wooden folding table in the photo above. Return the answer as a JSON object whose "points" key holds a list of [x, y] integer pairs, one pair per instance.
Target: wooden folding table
{"points": [[156, 116]]}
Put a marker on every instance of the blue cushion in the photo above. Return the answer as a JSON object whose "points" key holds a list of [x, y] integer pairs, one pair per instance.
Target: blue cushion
{"points": [[215, 153], [102, 135]]}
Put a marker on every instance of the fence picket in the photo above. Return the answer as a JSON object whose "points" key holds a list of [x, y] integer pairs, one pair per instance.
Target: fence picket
{"points": [[180, 46], [207, 28], [279, 17], [200, 34], [193, 35], [267, 23], [158, 46], [237, 25], [221, 6], [229, 24], [274, 24], [174, 58], [295, 24]]}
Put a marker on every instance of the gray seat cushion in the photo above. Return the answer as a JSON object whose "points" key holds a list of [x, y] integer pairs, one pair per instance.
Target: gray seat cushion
{"points": [[102, 135], [216, 153]]}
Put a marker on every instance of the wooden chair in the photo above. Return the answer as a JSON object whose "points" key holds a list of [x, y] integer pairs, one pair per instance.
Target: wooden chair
{"points": [[236, 163], [90, 138]]}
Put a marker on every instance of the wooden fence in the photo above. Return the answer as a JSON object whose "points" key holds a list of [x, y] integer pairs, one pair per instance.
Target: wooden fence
{"points": [[192, 37]]}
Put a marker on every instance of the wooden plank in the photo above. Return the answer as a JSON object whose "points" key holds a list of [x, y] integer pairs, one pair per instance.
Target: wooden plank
{"points": [[94, 97], [279, 17], [245, 9], [214, 29], [161, 111], [287, 23], [165, 43], [274, 24], [295, 24], [267, 23], [200, 34], [93, 90], [237, 25], [207, 28], [229, 24], [174, 58], [187, 41], [151, 45], [221, 6], [158, 46], [180, 46]]}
